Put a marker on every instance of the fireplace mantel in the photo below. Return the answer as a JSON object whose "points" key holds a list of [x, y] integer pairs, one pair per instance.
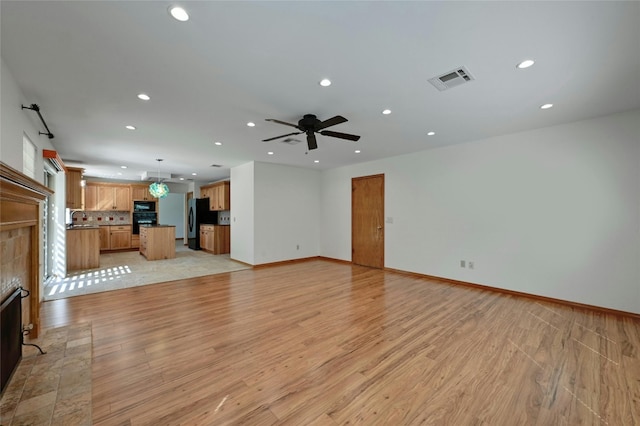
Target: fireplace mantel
{"points": [[20, 221]]}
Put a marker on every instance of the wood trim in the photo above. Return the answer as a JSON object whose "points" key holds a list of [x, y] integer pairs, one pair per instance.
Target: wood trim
{"points": [[55, 158], [240, 261], [21, 206], [501, 290], [331, 259], [15, 185], [285, 262], [518, 293]]}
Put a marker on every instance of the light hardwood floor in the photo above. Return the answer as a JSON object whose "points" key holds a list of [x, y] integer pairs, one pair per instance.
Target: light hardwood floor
{"points": [[324, 343]]}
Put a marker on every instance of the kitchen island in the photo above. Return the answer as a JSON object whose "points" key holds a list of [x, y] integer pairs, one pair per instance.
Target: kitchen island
{"points": [[158, 241], [83, 247]]}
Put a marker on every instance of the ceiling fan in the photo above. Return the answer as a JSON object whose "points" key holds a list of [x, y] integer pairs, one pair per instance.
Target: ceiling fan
{"points": [[310, 125]]}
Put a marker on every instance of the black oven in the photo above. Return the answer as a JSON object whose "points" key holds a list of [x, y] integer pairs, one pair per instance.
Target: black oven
{"points": [[140, 218], [144, 206]]}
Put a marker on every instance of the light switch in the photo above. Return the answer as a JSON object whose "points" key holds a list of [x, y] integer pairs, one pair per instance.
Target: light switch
{"points": [[389, 219]]}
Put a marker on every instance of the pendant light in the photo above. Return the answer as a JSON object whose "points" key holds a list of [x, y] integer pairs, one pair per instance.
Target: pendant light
{"points": [[158, 189]]}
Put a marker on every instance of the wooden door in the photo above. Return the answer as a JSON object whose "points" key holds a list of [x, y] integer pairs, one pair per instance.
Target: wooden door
{"points": [[91, 197], [122, 198], [120, 237], [367, 221], [105, 198], [74, 188], [105, 233], [140, 192]]}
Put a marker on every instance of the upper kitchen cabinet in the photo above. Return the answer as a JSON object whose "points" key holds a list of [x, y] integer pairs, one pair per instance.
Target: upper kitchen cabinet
{"points": [[219, 195], [74, 187], [141, 193], [104, 197]]}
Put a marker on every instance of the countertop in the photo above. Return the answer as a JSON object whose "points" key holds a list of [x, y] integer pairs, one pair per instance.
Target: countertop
{"points": [[80, 227], [157, 226]]}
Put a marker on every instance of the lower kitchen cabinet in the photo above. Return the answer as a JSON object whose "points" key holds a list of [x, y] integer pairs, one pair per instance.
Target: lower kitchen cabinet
{"points": [[158, 242], [83, 249], [115, 237], [215, 239]]}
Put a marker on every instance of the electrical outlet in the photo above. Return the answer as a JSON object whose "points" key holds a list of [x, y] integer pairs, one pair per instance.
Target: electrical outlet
{"points": [[462, 264], [297, 246], [470, 265]]}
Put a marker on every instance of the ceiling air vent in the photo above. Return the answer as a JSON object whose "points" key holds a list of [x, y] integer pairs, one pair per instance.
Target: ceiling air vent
{"points": [[452, 78], [216, 165]]}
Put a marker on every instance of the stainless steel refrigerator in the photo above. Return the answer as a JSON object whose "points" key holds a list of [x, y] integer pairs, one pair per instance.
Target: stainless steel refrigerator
{"points": [[198, 213]]}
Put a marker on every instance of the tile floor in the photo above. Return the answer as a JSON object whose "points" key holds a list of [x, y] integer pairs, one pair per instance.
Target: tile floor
{"points": [[130, 269], [54, 388]]}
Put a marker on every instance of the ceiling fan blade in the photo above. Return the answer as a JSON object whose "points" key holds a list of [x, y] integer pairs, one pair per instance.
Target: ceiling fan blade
{"points": [[282, 136], [340, 135], [311, 141], [330, 122], [281, 122]]}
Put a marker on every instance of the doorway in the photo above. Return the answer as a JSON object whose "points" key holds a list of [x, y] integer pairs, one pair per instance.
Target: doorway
{"points": [[367, 221], [186, 217]]}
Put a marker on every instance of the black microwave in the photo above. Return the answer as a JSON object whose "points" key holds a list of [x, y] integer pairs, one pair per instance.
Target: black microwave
{"points": [[144, 206]]}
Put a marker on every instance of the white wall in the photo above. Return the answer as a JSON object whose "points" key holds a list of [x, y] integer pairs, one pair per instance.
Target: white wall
{"points": [[552, 212], [286, 212], [275, 213], [171, 211], [14, 122], [242, 213]]}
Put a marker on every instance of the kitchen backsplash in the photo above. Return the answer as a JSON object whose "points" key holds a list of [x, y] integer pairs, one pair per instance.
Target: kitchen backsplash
{"points": [[101, 218]]}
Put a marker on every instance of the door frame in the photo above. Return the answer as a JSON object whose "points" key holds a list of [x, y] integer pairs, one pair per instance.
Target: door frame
{"points": [[382, 207], [186, 217]]}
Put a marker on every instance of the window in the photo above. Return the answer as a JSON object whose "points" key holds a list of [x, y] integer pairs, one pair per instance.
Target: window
{"points": [[28, 157]]}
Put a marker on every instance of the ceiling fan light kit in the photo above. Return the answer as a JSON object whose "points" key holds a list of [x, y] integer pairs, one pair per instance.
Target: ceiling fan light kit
{"points": [[310, 125]]}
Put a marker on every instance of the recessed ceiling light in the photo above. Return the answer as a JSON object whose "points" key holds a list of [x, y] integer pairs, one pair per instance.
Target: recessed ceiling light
{"points": [[144, 96], [546, 106], [525, 64], [316, 161], [194, 174], [386, 111], [119, 174], [325, 82], [217, 143], [179, 13], [431, 133], [357, 151], [123, 167], [181, 178], [251, 124], [130, 127], [270, 153]]}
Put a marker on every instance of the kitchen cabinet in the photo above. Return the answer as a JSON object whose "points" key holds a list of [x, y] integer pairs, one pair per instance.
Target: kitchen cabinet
{"points": [[141, 193], [83, 248], [104, 238], [219, 195], [105, 197], [215, 239], [90, 197], [158, 242], [135, 241], [115, 237], [74, 188]]}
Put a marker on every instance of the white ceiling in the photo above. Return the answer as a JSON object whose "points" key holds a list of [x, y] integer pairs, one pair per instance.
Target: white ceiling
{"points": [[84, 62]]}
